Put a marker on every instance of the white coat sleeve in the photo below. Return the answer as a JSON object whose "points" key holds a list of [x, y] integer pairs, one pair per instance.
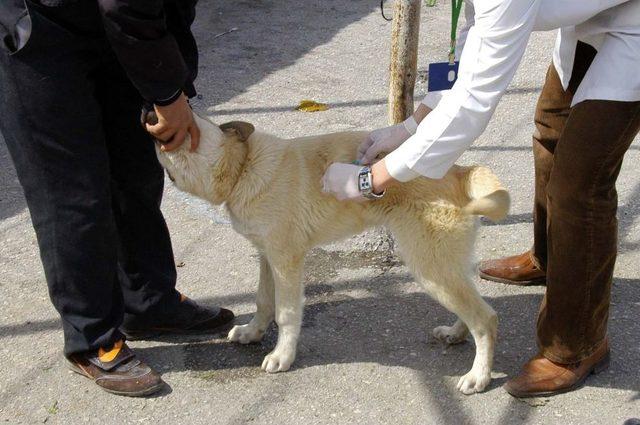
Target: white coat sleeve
{"points": [[493, 50]]}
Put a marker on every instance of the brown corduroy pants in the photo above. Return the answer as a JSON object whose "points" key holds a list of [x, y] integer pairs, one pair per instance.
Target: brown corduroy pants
{"points": [[578, 152]]}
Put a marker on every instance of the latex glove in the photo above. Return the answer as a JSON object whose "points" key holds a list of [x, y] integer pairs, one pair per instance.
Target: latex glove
{"points": [[341, 180], [385, 140]]}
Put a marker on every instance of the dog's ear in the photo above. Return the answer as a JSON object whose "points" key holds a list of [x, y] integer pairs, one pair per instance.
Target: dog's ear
{"points": [[240, 128]]}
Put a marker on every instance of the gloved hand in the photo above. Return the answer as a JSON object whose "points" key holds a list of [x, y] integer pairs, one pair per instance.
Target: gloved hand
{"points": [[385, 140], [341, 180]]}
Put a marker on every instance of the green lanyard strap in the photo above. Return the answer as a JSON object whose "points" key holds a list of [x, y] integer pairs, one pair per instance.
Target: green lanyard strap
{"points": [[456, 7]]}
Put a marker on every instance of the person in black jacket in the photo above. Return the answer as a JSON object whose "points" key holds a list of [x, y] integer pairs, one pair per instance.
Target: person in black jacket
{"points": [[74, 76]]}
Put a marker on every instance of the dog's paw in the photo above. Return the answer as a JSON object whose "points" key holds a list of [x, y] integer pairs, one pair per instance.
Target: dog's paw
{"points": [[245, 334], [473, 382], [449, 335], [278, 361]]}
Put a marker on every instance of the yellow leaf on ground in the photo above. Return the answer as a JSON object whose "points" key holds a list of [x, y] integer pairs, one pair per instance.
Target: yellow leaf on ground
{"points": [[311, 106]]}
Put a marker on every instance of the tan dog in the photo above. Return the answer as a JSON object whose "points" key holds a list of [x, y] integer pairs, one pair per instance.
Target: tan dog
{"points": [[272, 190]]}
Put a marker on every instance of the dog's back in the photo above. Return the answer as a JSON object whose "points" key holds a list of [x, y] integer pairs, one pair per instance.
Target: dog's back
{"points": [[299, 210], [473, 190]]}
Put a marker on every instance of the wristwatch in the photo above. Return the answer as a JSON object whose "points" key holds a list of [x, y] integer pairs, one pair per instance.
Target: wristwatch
{"points": [[365, 184]]}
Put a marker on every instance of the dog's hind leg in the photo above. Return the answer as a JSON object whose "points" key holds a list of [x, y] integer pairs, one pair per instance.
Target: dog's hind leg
{"points": [[289, 301], [265, 309], [458, 294], [455, 334], [444, 271]]}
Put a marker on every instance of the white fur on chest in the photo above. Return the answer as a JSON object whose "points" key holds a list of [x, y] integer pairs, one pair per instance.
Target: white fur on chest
{"points": [[253, 230]]}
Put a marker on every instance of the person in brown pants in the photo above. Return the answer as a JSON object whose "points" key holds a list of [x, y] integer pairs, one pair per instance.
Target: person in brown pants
{"points": [[578, 152]]}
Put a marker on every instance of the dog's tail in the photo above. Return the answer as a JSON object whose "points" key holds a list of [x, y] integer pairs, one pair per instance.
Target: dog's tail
{"points": [[488, 197]]}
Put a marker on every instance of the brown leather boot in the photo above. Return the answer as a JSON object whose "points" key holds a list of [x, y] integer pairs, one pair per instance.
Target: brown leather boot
{"points": [[516, 270], [117, 370], [541, 377]]}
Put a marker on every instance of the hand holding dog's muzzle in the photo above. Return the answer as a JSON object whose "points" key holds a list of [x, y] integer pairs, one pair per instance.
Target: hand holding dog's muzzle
{"points": [[171, 124], [149, 117]]}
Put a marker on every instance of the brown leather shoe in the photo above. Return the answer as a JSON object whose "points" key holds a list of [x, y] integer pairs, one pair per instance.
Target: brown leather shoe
{"points": [[516, 270], [541, 377], [118, 371]]}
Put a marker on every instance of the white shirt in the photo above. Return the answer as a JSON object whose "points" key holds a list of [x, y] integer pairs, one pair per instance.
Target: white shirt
{"points": [[497, 33]]}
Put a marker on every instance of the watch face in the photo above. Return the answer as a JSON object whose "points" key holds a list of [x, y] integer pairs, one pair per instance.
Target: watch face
{"points": [[363, 182]]}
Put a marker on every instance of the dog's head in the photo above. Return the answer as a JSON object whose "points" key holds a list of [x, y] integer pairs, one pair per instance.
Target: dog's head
{"points": [[213, 169]]}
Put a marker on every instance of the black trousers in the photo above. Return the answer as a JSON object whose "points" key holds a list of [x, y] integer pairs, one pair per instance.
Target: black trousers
{"points": [[93, 185]]}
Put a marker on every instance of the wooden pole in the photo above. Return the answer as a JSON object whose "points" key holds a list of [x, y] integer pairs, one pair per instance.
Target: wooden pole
{"points": [[404, 59], [402, 68]]}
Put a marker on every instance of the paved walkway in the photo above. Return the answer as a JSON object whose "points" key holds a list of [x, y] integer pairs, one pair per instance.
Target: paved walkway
{"points": [[365, 356]]}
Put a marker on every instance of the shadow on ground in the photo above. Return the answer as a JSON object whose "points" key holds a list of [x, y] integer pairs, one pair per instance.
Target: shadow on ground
{"points": [[386, 321], [390, 327], [270, 35]]}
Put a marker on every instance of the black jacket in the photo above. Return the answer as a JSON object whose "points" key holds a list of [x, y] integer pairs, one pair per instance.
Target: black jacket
{"points": [[151, 38]]}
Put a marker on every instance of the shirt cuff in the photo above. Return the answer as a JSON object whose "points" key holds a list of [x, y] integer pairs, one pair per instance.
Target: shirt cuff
{"points": [[410, 125], [398, 169], [432, 98], [169, 100]]}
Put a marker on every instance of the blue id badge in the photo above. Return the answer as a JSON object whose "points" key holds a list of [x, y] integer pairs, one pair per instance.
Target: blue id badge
{"points": [[442, 75]]}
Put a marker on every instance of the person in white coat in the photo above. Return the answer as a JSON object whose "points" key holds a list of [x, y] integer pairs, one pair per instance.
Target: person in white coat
{"points": [[587, 115]]}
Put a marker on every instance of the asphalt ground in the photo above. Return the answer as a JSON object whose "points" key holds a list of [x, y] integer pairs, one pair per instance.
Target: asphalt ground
{"points": [[365, 354]]}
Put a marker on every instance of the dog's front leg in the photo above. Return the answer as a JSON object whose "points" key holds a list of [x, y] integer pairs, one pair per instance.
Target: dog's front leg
{"points": [[265, 309], [287, 274]]}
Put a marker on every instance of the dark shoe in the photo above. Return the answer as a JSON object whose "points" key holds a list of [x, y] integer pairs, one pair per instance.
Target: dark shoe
{"points": [[117, 371], [518, 270], [190, 318], [541, 377]]}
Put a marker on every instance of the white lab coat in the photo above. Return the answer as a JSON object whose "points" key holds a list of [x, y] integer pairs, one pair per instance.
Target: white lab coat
{"points": [[492, 42]]}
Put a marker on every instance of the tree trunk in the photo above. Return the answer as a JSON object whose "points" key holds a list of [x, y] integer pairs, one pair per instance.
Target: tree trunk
{"points": [[404, 59], [402, 70]]}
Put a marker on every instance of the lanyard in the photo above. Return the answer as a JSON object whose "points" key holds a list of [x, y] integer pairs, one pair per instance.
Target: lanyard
{"points": [[456, 7]]}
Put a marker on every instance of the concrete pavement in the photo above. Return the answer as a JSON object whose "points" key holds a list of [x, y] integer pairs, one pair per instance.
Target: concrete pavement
{"points": [[365, 354]]}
